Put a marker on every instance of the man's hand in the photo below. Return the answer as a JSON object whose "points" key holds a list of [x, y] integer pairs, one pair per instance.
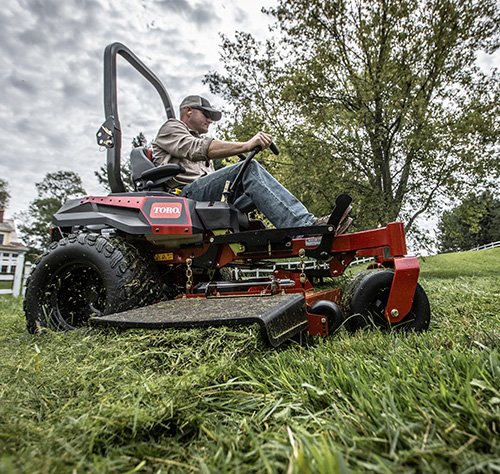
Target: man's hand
{"points": [[262, 139], [220, 149]]}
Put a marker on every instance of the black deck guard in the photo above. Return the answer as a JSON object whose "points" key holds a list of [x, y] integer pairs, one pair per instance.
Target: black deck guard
{"points": [[280, 316]]}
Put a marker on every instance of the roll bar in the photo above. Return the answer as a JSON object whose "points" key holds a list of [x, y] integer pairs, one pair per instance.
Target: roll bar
{"points": [[109, 134]]}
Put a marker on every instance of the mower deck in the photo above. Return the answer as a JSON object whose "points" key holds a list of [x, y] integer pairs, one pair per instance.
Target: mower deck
{"points": [[280, 316]]}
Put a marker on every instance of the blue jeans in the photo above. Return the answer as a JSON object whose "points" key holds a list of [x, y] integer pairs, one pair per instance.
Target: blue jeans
{"points": [[258, 190]]}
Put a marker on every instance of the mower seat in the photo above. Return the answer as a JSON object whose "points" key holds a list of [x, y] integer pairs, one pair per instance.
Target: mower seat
{"points": [[148, 177]]}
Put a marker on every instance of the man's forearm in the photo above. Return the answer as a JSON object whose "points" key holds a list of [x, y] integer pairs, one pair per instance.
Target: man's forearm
{"points": [[220, 149]]}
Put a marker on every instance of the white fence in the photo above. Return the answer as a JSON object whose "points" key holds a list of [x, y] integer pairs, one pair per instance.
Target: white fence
{"points": [[14, 271], [309, 265], [263, 272], [491, 245]]}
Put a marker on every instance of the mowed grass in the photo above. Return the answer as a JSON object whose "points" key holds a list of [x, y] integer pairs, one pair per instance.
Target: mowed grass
{"points": [[218, 400]]}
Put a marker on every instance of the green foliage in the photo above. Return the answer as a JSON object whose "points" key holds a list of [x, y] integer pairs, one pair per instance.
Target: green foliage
{"points": [[55, 189], [217, 400], [4, 193], [474, 222], [126, 173], [381, 99]]}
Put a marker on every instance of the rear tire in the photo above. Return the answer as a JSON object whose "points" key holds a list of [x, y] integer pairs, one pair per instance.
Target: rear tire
{"points": [[88, 275], [366, 299]]}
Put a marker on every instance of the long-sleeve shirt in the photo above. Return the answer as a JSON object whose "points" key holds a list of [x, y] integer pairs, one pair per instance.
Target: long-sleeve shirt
{"points": [[176, 143]]}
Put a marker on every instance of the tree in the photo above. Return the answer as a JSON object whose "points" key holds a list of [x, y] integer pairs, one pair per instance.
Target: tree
{"points": [[380, 98], [4, 193], [55, 189], [474, 222], [126, 172]]}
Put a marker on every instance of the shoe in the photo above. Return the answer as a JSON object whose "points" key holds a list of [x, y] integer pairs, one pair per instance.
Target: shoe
{"points": [[344, 225], [323, 220], [345, 221]]}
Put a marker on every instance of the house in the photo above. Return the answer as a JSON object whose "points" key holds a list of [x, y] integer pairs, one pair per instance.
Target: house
{"points": [[11, 255], [8, 234]]}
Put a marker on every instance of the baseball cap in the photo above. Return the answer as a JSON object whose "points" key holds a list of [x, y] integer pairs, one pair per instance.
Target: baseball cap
{"points": [[198, 102]]}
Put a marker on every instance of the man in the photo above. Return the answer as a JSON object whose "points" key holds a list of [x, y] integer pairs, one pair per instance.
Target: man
{"points": [[181, 141]]}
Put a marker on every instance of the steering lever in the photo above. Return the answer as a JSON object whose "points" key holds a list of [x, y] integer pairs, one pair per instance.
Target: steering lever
{"points": [[230, 187]]}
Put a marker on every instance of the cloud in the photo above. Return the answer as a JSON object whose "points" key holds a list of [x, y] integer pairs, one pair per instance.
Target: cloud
{"points": [[23, 85], [201, 13]]}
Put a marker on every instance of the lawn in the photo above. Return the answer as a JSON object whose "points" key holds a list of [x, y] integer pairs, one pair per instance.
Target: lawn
{"points": [[5, 285], [220, 401]]}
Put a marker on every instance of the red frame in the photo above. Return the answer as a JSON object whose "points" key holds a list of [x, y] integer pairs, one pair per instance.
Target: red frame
{"points": [[159, 226], [387, 245]]}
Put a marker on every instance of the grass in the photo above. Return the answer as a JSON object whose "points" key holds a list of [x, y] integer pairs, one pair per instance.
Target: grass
{"points": [[5, 285], [484, 263], [218, 400]]}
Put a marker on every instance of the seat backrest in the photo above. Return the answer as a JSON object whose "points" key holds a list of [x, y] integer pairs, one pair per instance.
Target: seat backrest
{"points": [[147, 176], [139, 162]]}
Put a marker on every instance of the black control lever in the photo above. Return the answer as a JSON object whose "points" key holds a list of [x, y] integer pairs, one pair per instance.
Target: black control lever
{"points": [[230, 187], [274, 148]]}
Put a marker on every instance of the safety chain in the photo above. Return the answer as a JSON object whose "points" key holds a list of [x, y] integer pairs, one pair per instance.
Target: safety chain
{"points": [[189, 275], [302, 255]]}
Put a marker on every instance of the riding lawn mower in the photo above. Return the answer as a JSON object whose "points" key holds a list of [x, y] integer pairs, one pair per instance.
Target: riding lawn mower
{"points": [[149, 258]]}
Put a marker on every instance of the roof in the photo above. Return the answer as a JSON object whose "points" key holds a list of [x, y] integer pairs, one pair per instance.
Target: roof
{"points": [[13, 247]]}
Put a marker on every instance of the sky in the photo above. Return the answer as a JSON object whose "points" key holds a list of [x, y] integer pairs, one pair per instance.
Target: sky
{"points": [[51, 76]]}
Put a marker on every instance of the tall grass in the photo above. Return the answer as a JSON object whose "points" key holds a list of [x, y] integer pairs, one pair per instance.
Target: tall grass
{"points": [[218, 400]]}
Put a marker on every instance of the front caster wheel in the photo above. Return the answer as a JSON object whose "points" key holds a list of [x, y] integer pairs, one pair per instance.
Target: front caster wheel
{"points": [[331, 311], [366, 299]]}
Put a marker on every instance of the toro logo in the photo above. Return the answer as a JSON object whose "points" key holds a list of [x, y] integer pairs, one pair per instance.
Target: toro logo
{"points": [[166, 210]]}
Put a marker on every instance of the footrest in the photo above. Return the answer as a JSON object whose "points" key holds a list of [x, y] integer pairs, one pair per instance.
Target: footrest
{"points": [[341, 210], [280, 316]]}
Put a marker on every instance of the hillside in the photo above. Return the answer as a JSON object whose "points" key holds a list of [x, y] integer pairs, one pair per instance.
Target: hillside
{"points": [[462, 264]]}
